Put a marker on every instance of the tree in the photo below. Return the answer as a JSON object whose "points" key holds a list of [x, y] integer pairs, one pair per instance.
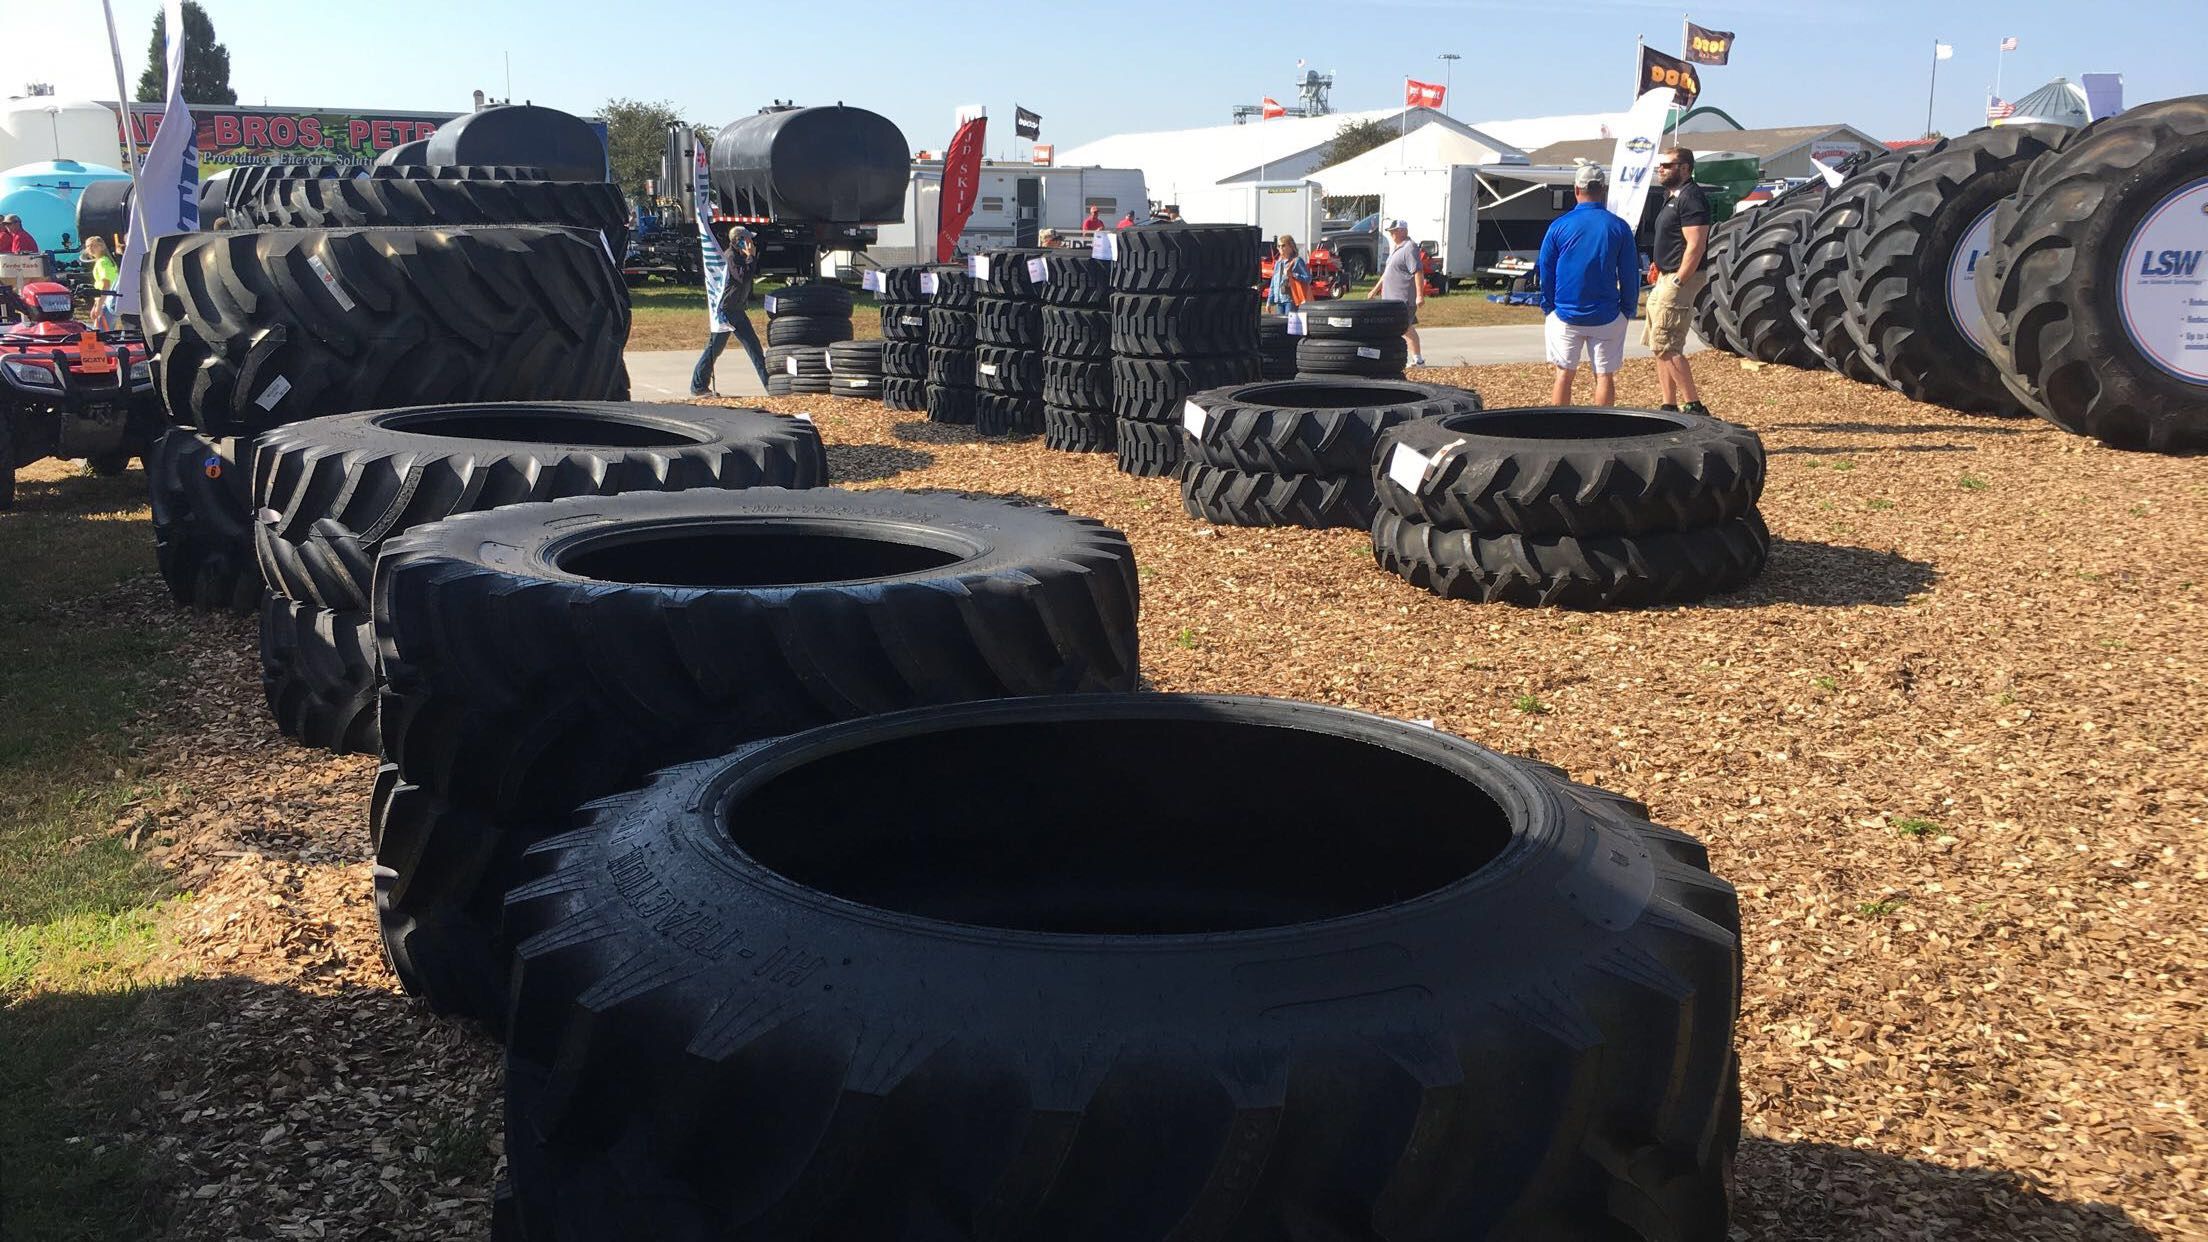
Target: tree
{"points": [[636, 137], [1355, 138], [206, 62]]}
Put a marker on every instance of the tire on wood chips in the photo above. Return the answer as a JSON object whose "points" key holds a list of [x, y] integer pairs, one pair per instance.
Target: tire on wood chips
{"points": [[249, 336], [1255, 498], [808, 330], [1373, 359], [318, 672], [951, 404], [1007, 414], [1076, 383], [903, 393], [1314, 426], [855, 358], [1366, 319], [1079, 430], [1013, 372], [905, 359], [542, 656], [201, 493], [1760, 281], [1183, 258], [952, 368], [595, 207], [1706, 303], [810, 360], [1149, 450], [1568, 571], [1820, 304], [1903, 260], [813, 299], [1077, 331], [1193, 1008], [1150, 390], [1576, 470]]}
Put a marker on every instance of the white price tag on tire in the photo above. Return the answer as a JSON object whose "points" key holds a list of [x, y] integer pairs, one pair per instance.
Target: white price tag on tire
{"points": [[978, 267], [790, 365], [986, 368], [1340, 321], [769, 303], [1299, 324], [1194, 418], [912, 321], [1407, 468], [1105, 246], [870, 281], [1036, 272], [927, 283], [1367, 351]]}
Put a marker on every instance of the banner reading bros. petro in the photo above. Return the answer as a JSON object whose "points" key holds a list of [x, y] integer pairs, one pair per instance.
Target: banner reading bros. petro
{"points": [[229, 137]]}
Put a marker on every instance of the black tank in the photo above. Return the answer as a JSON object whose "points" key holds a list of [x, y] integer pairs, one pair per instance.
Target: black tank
{"points": [[835, 165], [566, 147]]}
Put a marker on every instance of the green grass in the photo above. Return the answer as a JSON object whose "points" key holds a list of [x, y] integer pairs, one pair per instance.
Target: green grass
{"points": [[1972, 483], [1828, 683], [673, 316], [1185, 640], [1530, 705], [1879, 504], [1911, 826], [80, 913], [1878, 909], [1845, 463]]}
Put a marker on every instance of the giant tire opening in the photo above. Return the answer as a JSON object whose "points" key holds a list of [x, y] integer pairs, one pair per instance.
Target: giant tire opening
{"points": [[737, 554]]}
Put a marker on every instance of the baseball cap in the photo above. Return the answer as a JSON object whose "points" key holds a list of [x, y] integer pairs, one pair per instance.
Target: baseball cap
{"points": [[1404, 225], [1590, 174]]}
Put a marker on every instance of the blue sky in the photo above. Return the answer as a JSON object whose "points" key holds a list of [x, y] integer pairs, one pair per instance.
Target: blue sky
{"points": [[1096, 69]]}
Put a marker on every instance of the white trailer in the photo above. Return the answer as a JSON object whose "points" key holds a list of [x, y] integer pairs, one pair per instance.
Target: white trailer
{"points": [[1475, 215], [1275, 207], [1013, 202]]}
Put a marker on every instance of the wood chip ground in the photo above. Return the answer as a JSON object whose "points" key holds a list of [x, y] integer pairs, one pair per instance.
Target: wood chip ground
{"points": [[1950, 748]]}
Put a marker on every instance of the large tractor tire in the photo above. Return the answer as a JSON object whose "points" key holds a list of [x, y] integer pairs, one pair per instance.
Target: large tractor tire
{"points": [[1718, 290], [1912, 267], [777, 995], [1820, 304], [1571, 571], [201, 489], [257, 328], [1759, 282], [1185, 258], [1310, 426], [596, 207], [2097, 275]]}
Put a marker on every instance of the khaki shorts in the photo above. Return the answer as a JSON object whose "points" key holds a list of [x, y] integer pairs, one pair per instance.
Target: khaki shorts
{"points": [[1671, 312]]}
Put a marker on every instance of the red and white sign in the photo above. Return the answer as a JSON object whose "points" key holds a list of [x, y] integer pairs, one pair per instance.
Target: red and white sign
{"points": [[1417, 94], [1044, 154], [1272, 109], [961, 184]]}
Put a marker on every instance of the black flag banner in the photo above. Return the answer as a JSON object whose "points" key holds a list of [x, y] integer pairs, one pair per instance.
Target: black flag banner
{"points": [[1708, 47], [1028, 125], [1658, 69]]}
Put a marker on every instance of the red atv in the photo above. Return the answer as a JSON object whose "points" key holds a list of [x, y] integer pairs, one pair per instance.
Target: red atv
{"points": [[67, 390]]}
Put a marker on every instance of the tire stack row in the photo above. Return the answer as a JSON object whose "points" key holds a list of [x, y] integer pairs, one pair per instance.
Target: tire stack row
{"points": [[1184, 319], [1362, 339], [950, 389], [1297, 452], [1276, 348], [803, 320], [1578, 507], [855, 369], [1008, 342], [904, 305], [1077, 354]]}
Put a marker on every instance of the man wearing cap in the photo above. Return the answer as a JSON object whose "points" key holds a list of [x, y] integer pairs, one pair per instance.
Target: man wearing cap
{"points": [[1402, 279], [13, 239], [1590, 281], [1682, 242]]}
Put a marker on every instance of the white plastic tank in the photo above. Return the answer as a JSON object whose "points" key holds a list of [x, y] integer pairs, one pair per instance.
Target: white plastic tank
{"points": [[42, 127]]}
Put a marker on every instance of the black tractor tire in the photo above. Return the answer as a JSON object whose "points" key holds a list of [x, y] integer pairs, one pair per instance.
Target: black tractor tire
{"points": [[1566, 571], [951, 368], [1899, 266], [1576, 470], [1365, 319], [860, 387], [951, 329], [250, 336], [1008, 277], [1077, 332], [1078, 430], [1177, 325], [1251, 498], [1002, 321], [1080, 384], [812, 299], [855, 358], [1276, 350], [1149, 450], [1820, 304], [905, 359], [901, 285], [522, 684], [1185, 258], [808, 330], [802, 386], [1720, 252], [1720, 291], [1151, 390], [318, 670], [1072, 278], [954, 289], [904, 393], [1379, 359], [1192, 1008], [950, 404], [201, 491], [905, 323], [1296, 427], [595, 207], [1760, 281], [1011, 372], [808, 360], [1007, 414]]}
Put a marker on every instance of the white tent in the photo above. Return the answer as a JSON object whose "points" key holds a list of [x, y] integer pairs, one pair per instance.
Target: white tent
{"points": [[1535, 132], [1430, 146]]}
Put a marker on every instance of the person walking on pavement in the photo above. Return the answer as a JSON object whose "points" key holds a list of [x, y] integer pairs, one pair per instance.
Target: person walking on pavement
{"points": [[1682, 241], [1590, 282], [742, 255], [1402, 280]]}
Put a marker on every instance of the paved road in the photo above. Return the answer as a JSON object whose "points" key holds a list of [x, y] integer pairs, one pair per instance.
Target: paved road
{"points": [[662, 375]]}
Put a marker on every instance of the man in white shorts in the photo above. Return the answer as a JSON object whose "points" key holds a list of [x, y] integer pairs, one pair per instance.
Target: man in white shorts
{"points": [[1590, 283]]}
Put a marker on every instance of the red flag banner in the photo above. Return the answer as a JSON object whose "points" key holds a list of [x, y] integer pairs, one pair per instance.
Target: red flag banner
{"points": [[1272, 109], [1417, 94], [961, 183]]}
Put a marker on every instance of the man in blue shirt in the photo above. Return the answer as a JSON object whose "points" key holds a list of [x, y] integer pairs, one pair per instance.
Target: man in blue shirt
{"points": [[1590, 283]]}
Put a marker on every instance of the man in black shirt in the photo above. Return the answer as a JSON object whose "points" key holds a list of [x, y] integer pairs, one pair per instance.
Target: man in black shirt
{"points": [[1682, 240]]}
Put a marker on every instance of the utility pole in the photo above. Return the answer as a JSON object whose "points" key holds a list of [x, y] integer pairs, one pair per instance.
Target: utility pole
{"points": [[1448, 77]]}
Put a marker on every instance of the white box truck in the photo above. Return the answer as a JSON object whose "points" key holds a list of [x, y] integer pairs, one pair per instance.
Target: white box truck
{"points": [[1275, 207], [1442, 206]]}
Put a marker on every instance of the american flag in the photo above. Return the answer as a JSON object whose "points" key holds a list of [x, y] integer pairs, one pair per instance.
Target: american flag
{"points": [[1998, 109], [2009, 44]]}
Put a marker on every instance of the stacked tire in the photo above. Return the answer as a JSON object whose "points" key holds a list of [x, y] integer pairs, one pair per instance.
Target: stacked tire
{"points": [[1008, 342], [1573, 507], [1363, 339], [904, 301], [2093, 280], [1184, 320], [1276, 348], [1820, 301], [1298, 452], [803, 320], [421, 197], [950, 387], [855, 369], [544, 655], [331, 492], [1077, 354], [257, 328]]}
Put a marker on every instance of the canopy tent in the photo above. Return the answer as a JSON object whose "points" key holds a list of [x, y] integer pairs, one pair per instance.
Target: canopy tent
{"points": [[1429, 146]]}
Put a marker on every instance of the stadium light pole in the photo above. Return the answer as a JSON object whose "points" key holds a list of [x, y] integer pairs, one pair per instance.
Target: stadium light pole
{"points": [[1448, 77]]}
